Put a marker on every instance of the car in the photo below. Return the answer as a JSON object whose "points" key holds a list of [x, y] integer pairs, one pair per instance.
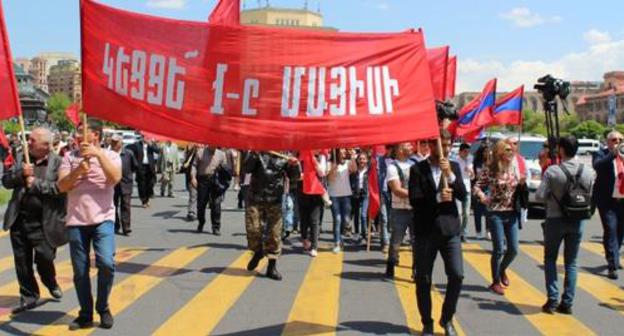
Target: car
{"points": [[588, 146]]}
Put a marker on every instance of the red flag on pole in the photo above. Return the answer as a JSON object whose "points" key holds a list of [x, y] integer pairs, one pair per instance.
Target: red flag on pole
{"points": [[227, 12], [311, 183], [451, 76], [374, 201], [9, 96], [72, 112], [438, 59]]}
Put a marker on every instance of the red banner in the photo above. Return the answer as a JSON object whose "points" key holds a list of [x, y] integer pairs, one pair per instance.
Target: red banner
{"points": [[255, 87], [438, 60], [72, 112], [9, 97], [227, 12], [451, 77]]}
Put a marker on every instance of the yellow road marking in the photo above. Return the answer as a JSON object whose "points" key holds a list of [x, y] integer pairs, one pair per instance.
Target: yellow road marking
{"points": [[212, 302], [317, 305], [406, 289], [596, 248], [526, 298], [64, 276], [131, 288], [604, 291], [7, 262], [4, 233]]}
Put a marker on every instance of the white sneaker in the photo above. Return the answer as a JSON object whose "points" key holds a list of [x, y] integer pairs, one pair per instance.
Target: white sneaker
{"points": [[313, 253], [337, 249], [489, 236]]}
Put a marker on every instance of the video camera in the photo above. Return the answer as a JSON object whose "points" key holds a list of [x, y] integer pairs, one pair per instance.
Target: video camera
{"points": [[551, 88], [446, 110]]}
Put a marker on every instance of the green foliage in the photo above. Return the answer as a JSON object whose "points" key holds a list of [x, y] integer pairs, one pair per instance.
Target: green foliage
{"points": [[5, 196], [11, 126], [533, 122], [57, 104], [588, 129]]}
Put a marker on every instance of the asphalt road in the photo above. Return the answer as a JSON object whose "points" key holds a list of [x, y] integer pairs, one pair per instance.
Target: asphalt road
{"points": [[173, 281]]}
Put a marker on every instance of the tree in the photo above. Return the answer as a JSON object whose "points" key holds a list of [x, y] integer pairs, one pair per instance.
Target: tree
{"points": [[57, 104], [590, 129]]}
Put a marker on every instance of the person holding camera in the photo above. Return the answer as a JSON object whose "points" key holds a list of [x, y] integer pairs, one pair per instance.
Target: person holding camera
{"points": [[435, 184], [564, 220], [608, 197], [500, 180]]}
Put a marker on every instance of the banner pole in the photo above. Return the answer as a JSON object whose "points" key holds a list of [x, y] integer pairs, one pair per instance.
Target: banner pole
{"points": [[23, 139], [279, 155]]}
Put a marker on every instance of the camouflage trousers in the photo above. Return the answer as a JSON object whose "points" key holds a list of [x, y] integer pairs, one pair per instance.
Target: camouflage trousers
{"points": [[264, 238]]}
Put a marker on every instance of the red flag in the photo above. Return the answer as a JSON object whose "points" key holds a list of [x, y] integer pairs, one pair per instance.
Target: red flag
{"points": [[72, 113], [508, 110], [374, 201], [477, 113], [438, 60], [227, 86], [311, 183], [451, 77], [4, 142], [9, 97], [227, 12]]}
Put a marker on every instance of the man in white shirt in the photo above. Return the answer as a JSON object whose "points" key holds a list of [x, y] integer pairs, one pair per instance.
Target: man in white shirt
{"points": [[401, 212], [464, 159]]}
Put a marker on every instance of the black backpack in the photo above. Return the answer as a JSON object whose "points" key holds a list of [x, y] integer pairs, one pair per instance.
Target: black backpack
{"points": [[576, 201]]}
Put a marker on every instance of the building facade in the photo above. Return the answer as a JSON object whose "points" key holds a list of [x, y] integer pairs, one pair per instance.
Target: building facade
{"points": [[65, 77], [284, 17], [596, 106], [39, 67]]}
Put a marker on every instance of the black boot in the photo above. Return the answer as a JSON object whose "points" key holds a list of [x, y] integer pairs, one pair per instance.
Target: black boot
{"points": [[272, 271], [390, 270], [253, 263]]}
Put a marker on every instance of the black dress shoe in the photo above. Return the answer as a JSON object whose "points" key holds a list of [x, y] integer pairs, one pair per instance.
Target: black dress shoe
{"points": [[190, 217], [127, 233], [216, 231], [564, 309], [81, 323], [612, 275], [253, 263], [56, 292], [449, 328], [427, 330], [549, 307], [272, 272], [106, 320], [200, 228]]}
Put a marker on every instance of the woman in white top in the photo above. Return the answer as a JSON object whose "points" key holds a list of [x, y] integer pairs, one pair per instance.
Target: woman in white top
{"points": [[341, 166]]}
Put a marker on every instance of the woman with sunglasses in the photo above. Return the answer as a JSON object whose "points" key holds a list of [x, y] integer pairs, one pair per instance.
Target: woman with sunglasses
{"points": [[500, 181]]}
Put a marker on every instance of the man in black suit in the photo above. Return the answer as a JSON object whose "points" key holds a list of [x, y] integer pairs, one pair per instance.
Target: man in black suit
{"points": [[610, 202], [437, 229], [123, 189], [36, 217], [146, 174]]}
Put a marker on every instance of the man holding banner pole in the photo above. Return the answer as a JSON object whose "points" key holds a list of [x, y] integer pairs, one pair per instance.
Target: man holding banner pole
{"points": [[89, 176]]}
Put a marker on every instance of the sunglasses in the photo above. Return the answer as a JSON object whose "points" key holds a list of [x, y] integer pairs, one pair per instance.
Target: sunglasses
{"points": [[616, 140]]}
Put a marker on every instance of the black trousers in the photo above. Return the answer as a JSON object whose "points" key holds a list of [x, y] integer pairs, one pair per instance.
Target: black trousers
{"points": [[30, 245], [208, 195], [310, 207], [426, 248], [145, 182], [122, 210]]}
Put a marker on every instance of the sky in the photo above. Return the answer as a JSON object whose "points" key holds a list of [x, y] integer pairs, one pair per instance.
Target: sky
{"points": [[516, 41]]}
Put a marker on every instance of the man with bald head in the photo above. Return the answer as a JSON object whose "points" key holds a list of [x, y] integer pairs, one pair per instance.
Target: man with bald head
{"points": [[36, 217]]}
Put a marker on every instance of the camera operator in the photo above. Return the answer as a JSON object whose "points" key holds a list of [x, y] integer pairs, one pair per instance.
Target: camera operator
{"points": [[609, 198]]}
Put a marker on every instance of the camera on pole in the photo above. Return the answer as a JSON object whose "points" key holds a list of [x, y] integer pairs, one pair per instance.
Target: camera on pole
{"points": [[551, 88]]}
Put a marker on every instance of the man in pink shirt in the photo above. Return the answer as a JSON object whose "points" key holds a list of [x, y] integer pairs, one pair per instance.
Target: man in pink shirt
{"points": [[89, 176]]}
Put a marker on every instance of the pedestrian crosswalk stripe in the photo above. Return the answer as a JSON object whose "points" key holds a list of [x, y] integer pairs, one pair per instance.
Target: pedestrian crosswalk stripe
{"points": [[526, 298], [407, 295], [132, 288], [316, 307], [8, 262], [604, 291], [212, 302], [64, 276], [597, 249], [4, 234]]}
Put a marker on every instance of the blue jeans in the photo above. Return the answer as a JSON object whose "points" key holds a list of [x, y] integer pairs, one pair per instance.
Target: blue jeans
{"points": [[361, 216], [289, 212], [383, 220], [612, 218], [557, 230], [341, 211], [504, 226], [103, 238], [479, 211]]}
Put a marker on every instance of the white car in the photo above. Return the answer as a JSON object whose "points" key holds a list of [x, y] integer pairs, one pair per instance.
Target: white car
{"points": [[588, 146]]}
